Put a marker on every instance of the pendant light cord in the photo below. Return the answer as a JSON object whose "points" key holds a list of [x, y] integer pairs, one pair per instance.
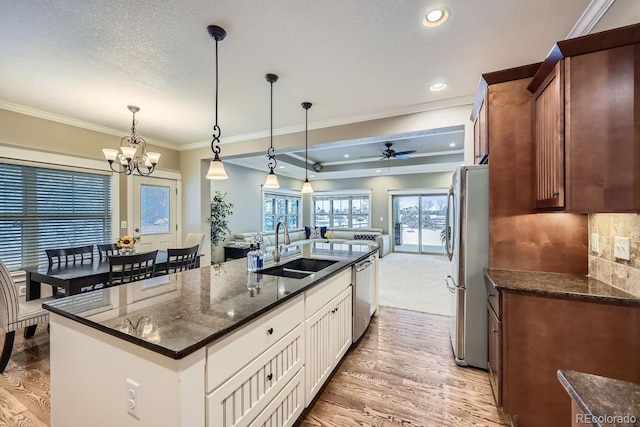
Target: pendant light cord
{"points": [[216, 129], [270, 152], [306, 137]]}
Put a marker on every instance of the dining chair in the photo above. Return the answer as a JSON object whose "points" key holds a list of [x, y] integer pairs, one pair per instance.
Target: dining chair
{"points": [[66, 256], [15, 314], [131, 268], [179, 259], [107, 250], [194, 239]]}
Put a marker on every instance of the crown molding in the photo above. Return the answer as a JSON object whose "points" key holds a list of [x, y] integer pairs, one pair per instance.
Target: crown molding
{"points": [[589, 18], [21, 109]]}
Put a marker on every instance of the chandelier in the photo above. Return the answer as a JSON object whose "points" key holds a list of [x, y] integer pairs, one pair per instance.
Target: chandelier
{"points": [[133, 153]]}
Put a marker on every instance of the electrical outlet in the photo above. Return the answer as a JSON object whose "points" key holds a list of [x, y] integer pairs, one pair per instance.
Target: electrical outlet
{"points": [[22, 290], [622, 248], [595, 246], [133, 398], [123, 224]]}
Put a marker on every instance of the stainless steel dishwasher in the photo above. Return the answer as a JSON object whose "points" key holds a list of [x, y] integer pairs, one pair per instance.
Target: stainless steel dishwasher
{"points": [[362, 281]]}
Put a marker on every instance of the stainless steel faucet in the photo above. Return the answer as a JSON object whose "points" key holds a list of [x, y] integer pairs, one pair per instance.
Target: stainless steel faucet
{"points": [[276, 252]]}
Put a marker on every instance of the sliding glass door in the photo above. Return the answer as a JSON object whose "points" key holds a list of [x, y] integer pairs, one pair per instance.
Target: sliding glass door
{"points": [[418, 221]]}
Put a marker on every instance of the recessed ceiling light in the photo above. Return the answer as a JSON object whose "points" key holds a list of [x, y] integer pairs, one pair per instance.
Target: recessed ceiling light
{"points": [[346, 156], [435, 17], [312, 176], [281, 167], [378, 170], [437, 87], [453, 144]]}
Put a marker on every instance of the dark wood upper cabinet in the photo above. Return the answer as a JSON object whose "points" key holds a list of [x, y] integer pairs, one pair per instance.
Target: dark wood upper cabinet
{"points": [[587, 124], [549, 141]]}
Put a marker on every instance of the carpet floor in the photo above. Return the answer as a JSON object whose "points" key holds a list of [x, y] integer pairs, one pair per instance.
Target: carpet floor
{"points": [[415, 282]]}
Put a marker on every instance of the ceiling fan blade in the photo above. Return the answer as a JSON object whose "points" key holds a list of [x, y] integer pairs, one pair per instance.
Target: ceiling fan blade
{"points": [[402, 153]]}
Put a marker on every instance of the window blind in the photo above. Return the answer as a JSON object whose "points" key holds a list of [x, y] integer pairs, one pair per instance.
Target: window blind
{"points": [[45, 208]]}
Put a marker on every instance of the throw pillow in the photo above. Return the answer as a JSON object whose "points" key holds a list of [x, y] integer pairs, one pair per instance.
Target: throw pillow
{"points": [[315, 232], [364, 236]]}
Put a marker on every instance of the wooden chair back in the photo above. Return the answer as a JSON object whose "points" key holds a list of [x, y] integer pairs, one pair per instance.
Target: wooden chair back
{"points": [[66, 256], [107, 250], [179, 259], [131, 268]]}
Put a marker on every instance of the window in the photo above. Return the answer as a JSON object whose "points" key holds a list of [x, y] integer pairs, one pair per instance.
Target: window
{"points": [[43, 208], [343, 211], [281, 207]]}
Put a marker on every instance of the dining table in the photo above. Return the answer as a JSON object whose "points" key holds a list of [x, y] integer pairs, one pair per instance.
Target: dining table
{"points": [[74, 277]]}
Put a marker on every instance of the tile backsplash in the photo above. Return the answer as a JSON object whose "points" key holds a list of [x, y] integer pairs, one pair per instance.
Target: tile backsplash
{"points": [[603, 265]]}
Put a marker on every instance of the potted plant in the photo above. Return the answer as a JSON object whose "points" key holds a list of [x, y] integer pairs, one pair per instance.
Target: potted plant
{"points": [[220, 210]]}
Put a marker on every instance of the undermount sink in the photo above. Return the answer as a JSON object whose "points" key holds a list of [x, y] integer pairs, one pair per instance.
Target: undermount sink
{"points": [[298, 268]]}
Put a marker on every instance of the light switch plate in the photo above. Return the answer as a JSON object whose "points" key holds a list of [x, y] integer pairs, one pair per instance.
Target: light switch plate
{"points": [[595, 246], [622, 248], [123, 224]]}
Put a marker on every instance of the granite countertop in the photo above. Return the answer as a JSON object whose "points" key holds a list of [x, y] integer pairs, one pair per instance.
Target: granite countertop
{"points": [[177, 314], [604, 401], [558, 284]]}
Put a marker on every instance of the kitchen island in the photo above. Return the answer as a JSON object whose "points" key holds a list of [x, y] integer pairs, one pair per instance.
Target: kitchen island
{"points": [[213, 346]]}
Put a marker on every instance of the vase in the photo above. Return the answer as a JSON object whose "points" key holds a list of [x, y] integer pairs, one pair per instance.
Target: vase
{"points": [[127, 251]]}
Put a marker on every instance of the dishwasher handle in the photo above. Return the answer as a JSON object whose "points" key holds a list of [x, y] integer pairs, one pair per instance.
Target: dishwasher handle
{"points": [[364, 265]]}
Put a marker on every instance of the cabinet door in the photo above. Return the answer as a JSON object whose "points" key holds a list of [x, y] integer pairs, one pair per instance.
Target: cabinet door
{"points": [[285, 409], [341, 325], [549, 141], [495, 353], [319, 357], [328, 336], [239, 400]]}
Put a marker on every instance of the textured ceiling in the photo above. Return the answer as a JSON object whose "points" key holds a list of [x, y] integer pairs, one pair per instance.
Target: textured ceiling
{"points": [[86, 60]]}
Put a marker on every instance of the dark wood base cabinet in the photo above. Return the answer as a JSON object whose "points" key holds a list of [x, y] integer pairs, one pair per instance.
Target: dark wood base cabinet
{"points": [[532, 335]]}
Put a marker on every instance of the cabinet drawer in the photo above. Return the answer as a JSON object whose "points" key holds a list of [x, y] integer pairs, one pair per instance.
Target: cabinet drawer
{"points": [[493, 296], [232, 353], [320, 295], [285, 409], [239, 400]]}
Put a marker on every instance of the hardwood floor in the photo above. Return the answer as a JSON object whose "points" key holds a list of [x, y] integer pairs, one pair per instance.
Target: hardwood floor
{"points": [[25, 399], [401, 374]]}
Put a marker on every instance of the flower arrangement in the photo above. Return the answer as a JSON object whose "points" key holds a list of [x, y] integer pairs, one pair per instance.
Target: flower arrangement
{"points": [[328, 234], [127, 242], [258, 239]]}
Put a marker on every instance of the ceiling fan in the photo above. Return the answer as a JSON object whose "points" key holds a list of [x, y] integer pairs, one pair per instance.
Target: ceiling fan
{"points": [[389, 154]]}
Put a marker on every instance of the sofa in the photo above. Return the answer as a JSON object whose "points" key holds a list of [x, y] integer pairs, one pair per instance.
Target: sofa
{"points": [[361, 236]]}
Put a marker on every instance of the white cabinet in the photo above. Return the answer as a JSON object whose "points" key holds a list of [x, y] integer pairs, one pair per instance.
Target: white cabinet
{"points": [[327, 333], [248, 370], [287, 406]]}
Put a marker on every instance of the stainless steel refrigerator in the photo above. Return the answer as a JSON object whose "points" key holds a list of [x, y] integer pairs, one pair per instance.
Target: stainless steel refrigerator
{"points": [[467, 246]]}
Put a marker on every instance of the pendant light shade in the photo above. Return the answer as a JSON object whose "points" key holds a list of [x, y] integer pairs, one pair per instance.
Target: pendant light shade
{"points": [[306, 187], [272, 179], [216, 168]]}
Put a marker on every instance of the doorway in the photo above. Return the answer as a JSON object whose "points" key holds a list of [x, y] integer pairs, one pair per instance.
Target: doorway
{"points": [[154, 212], [418, 221]]}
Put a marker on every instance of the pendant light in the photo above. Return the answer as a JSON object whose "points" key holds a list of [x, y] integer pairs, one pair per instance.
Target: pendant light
{"points": [[306, 187], [216, 167], [272, 179]]}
